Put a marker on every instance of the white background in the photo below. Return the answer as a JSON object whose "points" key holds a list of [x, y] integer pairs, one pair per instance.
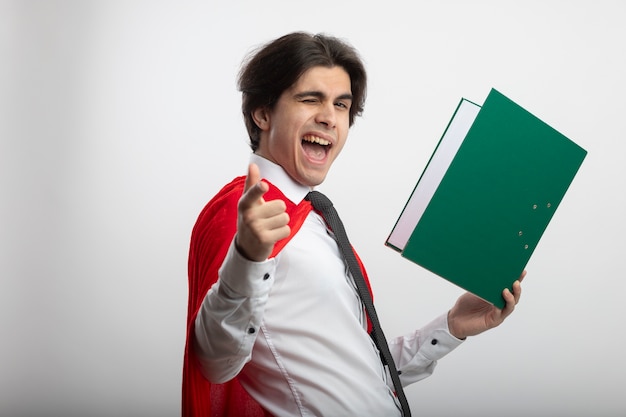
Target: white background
{"points": [[120, 119]]}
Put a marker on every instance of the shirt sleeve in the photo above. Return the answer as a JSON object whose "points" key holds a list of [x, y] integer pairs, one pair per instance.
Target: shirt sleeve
{"points": [[228, 321], [417, 353]]}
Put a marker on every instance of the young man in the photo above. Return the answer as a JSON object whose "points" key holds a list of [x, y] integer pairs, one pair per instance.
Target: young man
{"points": [[276, 326]]}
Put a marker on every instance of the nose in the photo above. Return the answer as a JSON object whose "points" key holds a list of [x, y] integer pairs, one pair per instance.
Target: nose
{"points": [[327, 115]]}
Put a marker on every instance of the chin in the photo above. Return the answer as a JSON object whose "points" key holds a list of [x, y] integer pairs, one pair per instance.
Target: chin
{"points": [[311, 177], [313, 181]]}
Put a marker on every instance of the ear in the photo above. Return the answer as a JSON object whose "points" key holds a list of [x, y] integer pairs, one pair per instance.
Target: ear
{"points": [[261, 117]]}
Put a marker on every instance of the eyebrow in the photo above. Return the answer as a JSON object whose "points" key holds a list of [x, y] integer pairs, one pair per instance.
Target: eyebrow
{"points": [[320, 95]]}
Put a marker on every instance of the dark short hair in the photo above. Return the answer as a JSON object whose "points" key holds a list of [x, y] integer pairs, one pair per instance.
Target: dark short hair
{"points": [[276, 66]]}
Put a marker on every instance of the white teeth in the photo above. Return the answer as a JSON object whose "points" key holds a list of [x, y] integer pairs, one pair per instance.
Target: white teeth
{"points": [[315, 139]]}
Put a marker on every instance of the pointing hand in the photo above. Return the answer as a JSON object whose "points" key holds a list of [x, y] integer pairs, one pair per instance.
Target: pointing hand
{"points": [[260, 223]]}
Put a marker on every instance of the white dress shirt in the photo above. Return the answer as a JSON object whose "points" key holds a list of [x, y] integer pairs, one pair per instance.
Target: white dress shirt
{"points": [[294, 330]]}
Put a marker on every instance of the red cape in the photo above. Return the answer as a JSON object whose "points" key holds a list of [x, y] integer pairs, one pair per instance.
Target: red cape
{"points": [[210, 240]]}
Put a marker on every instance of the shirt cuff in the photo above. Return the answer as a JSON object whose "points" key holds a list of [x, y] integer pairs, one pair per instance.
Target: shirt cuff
{"points": [[246, 278], [437, 339]]}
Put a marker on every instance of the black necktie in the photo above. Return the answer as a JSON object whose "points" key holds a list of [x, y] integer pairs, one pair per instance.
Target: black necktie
{"points": [[322, 204]]}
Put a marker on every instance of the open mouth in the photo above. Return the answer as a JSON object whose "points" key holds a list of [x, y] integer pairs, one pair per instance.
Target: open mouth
{"points": [[315, 148]]}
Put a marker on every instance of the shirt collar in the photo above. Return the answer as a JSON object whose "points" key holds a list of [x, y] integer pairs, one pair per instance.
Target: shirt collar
{"points": [[275, 174]]}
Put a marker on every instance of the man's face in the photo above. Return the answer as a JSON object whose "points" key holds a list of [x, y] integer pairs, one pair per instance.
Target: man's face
{"points": [[308, 126]]}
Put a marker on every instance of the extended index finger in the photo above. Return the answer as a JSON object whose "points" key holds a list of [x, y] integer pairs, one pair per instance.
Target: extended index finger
{"points": [[253, 177], [254, 188]]}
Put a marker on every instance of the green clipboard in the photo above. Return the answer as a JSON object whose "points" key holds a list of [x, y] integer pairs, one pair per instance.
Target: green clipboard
{"points": [[486, 196]]}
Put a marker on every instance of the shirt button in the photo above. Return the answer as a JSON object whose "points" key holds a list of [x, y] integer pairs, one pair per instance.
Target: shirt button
{"points": [[434, 342], [251, 330], [266, 277]]}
